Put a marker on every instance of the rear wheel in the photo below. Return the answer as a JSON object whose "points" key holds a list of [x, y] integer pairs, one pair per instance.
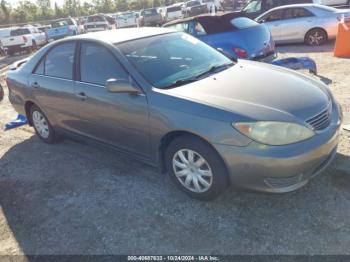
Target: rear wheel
{"points": [[316, 37], [42, 126], [196, 168]]}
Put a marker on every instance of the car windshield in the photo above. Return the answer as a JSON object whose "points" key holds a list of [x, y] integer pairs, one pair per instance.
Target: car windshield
{"points": [[193, 3], [20, 31], [149, 12], [252, 7], [174, 59]]}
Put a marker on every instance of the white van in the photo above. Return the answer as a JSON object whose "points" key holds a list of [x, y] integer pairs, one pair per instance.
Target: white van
{"points": [[173, 13]]}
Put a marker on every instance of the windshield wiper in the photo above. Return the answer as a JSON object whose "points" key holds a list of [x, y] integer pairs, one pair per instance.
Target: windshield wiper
{"points": [[214, 69], [211, 70], [181, 82]]}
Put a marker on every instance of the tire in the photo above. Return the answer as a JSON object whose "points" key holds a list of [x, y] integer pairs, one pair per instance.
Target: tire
{"points": [[194, 173], [316, 37], [43, 129]]}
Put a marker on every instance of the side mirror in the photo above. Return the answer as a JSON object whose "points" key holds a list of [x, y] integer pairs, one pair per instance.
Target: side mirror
{"points": [[121, 86]]}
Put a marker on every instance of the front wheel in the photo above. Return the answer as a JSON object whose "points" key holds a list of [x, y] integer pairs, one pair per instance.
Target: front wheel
{"points": [[196, 168], [316, 37], [42, 126]]}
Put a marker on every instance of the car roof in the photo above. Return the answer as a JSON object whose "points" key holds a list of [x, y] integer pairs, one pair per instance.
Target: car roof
{"points": [[295, 5], [228, 15], [124, 34], [212, 23]]}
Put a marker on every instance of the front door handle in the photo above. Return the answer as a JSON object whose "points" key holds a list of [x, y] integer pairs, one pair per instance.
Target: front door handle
{"points": [[35, 85], [82, 96]]}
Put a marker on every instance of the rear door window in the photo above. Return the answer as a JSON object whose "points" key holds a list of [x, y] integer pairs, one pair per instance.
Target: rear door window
{"points": [[97, 65], [60, 60], [292, 13], [273, 16], [40, 69]]}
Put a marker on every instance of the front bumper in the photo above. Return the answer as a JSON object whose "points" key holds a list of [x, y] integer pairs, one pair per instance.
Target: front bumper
{"points": [[280, 169]]}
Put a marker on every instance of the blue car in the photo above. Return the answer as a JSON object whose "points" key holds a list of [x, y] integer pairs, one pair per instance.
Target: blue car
{"points": [[236, 37], [61, 29]]}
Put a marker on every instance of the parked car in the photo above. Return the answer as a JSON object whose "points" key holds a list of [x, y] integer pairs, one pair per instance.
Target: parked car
{"points": [[62, 28], [149, 17], [24, 38], [127, 19], [239, 37], [172, 101], [212, 5], [44, 28], [170, 13], [305, 23], [96, 23], [194, 7], [335, 3], [255, 8]]}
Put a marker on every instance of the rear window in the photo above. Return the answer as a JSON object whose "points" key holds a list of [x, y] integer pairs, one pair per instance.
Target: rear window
{"points": [[173, 9], [126, 16], [92, 19], [193, 3], [20, 31], [243, 22], [149, 12], [61, 23]]}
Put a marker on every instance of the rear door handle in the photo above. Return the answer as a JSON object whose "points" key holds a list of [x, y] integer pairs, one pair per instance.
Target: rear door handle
{"points": [[82, 96], [35, 85]]}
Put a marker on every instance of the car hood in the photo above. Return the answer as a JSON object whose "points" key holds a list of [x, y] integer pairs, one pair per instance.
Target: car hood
{"points": [[258, 91]]}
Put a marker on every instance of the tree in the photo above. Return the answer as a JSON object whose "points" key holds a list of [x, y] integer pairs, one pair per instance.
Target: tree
{"points": [[58, 11], [25, 11], [121, 5], [5, 8], [45, 8]]}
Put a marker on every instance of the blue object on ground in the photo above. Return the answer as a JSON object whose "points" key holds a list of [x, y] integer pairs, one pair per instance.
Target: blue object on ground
{"points": [[20, 121], [297, 63]]}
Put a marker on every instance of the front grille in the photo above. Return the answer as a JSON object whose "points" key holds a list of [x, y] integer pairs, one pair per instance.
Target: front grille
{"points": [[283, 182], [322, 120]]}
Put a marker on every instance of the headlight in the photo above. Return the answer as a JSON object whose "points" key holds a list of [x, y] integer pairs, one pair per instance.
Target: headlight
{"points": [[274, 133]]}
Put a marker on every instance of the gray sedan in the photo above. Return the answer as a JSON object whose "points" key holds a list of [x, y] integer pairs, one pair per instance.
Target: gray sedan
{"points": [[309, 23], [174, 102]]}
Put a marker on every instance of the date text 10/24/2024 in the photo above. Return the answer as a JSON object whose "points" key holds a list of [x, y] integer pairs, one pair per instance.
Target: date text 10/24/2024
{"points": [[173, 258]]}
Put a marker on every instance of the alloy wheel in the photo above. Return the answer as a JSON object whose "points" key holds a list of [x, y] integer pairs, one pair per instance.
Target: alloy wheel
{"points": [[316, 38]]}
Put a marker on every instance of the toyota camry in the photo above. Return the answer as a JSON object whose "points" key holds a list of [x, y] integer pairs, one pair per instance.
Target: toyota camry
{"points": [[172, 101]]}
